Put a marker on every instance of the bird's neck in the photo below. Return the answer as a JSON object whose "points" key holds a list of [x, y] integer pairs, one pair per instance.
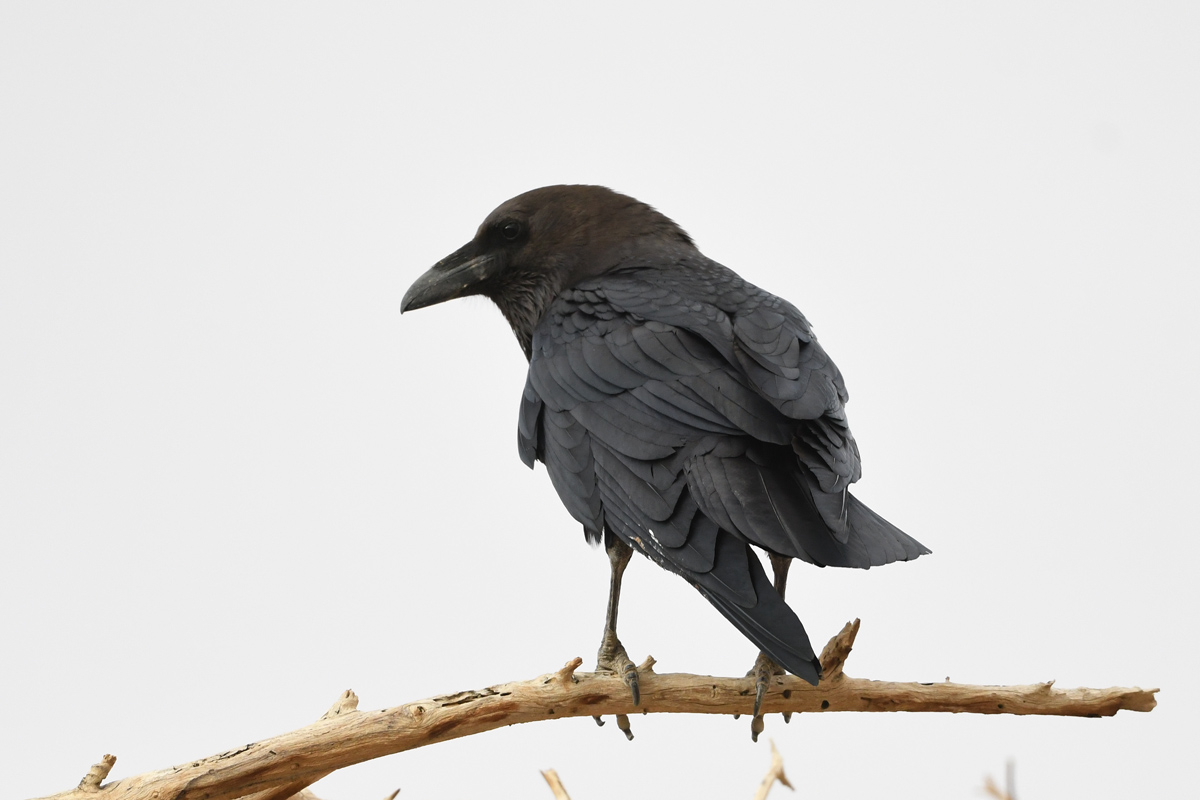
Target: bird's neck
{"points": [[523, 300]]}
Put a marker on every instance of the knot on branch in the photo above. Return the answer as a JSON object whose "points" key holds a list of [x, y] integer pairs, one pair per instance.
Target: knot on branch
{"points": [[833, 657], [96, 775], [566, 675], [343, 705]]}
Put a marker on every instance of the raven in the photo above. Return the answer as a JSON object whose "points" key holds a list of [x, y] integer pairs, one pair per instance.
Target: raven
{"points": [[679, 410]]}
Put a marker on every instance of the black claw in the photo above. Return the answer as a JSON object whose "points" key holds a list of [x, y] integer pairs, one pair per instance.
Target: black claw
{"points": [[623, 724], [737, 716], [787, 717], [631, 680], [599, 721], [756, 727], [760, 691]]}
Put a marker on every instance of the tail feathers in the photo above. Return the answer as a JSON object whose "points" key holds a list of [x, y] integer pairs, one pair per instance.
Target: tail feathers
{"points": [[853, 535], [768, 622], [870, 528], [784, 510]]}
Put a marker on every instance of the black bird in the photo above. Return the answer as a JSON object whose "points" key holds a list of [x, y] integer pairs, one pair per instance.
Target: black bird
{"points": [[679, 410]]}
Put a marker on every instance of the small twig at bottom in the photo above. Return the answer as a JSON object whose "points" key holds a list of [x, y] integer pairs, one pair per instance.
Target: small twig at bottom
{"points": [[560, 792], [1009, 791], [775, 773]]}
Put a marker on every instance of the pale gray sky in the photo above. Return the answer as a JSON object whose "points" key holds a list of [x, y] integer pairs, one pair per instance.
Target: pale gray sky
{"points": [[234, 482]]}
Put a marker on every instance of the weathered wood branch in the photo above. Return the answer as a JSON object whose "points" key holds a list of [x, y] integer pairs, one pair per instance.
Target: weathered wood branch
{"points": [[284, 765], [775, 773], [556, 785]]}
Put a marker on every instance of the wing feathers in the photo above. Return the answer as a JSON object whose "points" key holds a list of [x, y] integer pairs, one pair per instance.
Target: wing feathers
{"points": [[692, 415]]}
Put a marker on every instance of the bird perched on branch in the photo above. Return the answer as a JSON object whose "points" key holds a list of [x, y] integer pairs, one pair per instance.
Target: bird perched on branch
{"points": [[680, 411]]}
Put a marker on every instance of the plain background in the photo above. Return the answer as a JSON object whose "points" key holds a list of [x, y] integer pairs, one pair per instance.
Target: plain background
{"points": [[235, 482]]}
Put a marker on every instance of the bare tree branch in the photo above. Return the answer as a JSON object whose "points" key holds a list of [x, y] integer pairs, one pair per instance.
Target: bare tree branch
{"points": [[1009, 791], [560, 791], [775, 773], [275, 768], [96, 774]]}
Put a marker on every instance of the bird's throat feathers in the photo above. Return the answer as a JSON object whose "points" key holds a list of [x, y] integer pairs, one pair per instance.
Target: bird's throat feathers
{"points": [[523, 298]]}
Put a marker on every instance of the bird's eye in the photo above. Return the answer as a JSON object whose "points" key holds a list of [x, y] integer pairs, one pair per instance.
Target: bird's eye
{"points": [[510, 230]]}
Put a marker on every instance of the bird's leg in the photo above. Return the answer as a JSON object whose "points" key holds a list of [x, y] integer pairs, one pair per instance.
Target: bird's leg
{"points": [[765, 667], [612, 655]]}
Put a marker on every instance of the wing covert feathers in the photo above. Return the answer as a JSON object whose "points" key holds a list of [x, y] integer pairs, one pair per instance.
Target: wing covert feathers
{"points": [[693, 415]]}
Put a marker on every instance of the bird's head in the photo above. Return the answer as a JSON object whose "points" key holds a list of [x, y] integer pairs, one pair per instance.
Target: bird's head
{"points": [[541, 242]]}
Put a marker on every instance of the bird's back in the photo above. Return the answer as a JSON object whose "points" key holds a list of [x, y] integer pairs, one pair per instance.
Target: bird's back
{"points": [[692, 414]]}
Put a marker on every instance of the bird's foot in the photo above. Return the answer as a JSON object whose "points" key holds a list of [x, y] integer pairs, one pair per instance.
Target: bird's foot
{"points": [[613, 658], [763, 671]]}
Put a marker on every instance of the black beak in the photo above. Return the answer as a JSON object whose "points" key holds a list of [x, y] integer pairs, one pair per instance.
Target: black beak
{"points": [[456, 275]]}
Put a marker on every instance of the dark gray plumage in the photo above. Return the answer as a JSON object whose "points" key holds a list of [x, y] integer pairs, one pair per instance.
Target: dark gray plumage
{"points": [[678, 409]]}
